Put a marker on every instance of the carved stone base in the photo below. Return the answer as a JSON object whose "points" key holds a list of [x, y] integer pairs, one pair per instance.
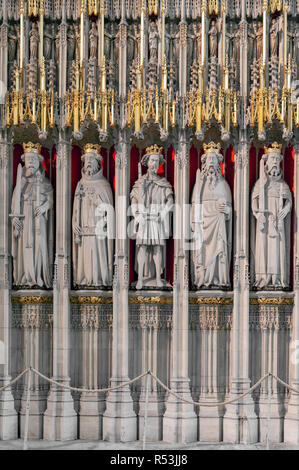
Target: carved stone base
{"points": [[180, 420], [275, 426], [154, 426], [120, 420], [8, 415], [210, 424], [60, 419], [91, 417], [38, 405], [240, 423]]}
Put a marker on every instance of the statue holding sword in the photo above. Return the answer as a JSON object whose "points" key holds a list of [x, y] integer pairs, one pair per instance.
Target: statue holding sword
{"points": [[271, 201], [32, 222]]}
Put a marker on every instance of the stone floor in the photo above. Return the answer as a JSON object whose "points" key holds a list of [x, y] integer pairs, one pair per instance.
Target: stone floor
{"points": [[137, 445]]}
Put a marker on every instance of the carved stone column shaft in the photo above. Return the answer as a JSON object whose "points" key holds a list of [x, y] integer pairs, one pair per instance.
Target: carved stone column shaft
{"points": [[60, 420], [8, 416]]}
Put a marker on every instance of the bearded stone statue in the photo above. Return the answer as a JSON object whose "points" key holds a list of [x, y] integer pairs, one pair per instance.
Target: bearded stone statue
{"points": [[211, 223], [32, 222], [151, 199], [271, 202], [92, 212]]}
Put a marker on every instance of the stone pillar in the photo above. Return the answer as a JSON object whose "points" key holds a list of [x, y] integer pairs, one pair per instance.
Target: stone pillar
{"points": [[8, 415], [180, 420], [270, 324], [91, 404], [149, 321], [210, 418], [60, 420], [240, 421], [291, 427], [119, 420]]}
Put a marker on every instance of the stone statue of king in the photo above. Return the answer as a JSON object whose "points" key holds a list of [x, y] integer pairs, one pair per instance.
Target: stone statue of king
{"points": [[211, 223], [152, 201], [32, 222], [93, 205], [271, 202]]}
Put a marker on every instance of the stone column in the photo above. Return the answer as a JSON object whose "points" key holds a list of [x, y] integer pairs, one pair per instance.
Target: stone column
{"points": [[119, 420], [291, 427], [149, 321], [8, 415], [92, 405], [33, 321], [240, 421], [180, 420], [60, 419], [210, 418], [270, 324]]}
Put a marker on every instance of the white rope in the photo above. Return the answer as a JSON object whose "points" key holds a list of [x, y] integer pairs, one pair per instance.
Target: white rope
{"points": [[14, 380], [25, 446], [89, 390], [191, 402], [222, 403], [285, 384]]}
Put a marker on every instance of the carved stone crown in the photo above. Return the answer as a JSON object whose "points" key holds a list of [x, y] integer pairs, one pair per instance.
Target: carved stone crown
{"points": [[211, 148], [92, 148], [275, 147], [29, 147], [154, 150]]}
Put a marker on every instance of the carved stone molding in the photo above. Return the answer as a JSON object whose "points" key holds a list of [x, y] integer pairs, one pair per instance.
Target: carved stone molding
{"points": [[267, 317], [4, 156], [32, 315], [4, 275], [210, 317], [92, 316], [150, 316]]}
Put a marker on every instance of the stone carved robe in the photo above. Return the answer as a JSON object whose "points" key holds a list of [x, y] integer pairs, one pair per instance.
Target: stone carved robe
{"points": [[210, 262], [92, 256], [153, 193], [271, 245], [32, 250]]}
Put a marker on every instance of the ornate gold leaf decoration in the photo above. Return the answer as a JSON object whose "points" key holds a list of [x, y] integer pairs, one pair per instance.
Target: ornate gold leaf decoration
{"points": [[210, 300], [90, 300], [272, 301], [32, 300], [151, 300]]}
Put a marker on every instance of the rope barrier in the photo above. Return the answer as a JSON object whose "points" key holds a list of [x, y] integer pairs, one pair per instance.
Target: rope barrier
{"points": [[146, 374], [89, 390], [285, 384], [222, 403], [14, 380], [129, 382]]}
